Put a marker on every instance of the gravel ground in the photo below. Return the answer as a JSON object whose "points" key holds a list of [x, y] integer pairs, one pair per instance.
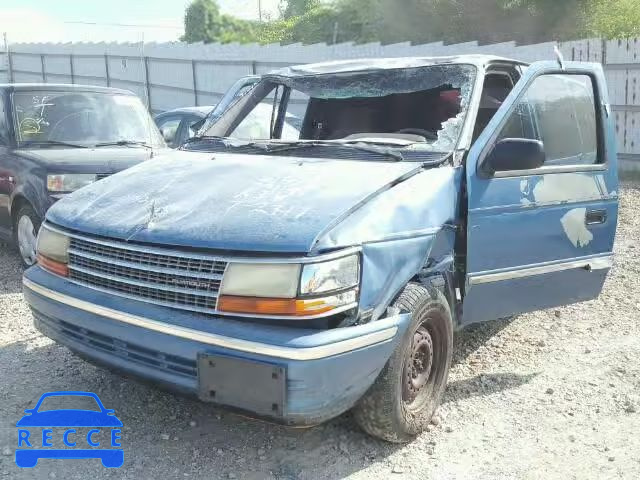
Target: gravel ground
{"points": [[552, 394]]}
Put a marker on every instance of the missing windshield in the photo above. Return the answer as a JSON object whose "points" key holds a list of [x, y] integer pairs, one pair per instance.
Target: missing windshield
{"points": [[422, 107]]}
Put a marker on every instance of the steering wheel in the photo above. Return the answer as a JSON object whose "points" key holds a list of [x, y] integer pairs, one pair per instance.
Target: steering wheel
{"points": [[67, 118], [428, 134]]}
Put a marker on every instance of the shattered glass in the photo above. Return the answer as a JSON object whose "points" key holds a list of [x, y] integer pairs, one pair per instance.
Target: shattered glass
{"points": [[381, 83], [453, 83]]}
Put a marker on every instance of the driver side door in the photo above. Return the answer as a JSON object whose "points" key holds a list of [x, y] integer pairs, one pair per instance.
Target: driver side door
{"points": [[542, 236]]}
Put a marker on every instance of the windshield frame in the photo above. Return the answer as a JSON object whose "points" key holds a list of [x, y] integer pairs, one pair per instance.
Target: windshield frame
{"points": [[154, 138], [237, 111]]}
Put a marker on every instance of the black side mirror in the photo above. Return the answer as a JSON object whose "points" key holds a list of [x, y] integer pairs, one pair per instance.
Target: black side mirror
{"points": [[512, 154]]}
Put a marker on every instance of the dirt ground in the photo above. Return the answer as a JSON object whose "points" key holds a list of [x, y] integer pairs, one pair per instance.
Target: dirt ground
{"points": [[547, 395]]}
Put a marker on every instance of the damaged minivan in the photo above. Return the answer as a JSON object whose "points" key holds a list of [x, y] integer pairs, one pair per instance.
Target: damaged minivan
{"points": [[295, 271]]}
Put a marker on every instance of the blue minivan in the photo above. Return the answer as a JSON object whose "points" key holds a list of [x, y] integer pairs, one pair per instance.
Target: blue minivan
{"points": [[297, 274]]}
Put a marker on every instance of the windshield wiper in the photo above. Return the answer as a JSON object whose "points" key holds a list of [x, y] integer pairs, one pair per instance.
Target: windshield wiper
{"points": [[123, 143], [283, 147], [205, 137], [59, 143]]}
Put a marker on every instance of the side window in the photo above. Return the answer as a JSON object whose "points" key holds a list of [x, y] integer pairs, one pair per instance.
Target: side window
{"points": [[560, 111], [169, 128], [257, 124], [294, 116], [495, 90], [4, 129], [187, 131]]}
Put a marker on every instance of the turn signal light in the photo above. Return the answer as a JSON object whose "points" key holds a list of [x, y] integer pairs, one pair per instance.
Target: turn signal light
{"points": [[274, 306], [54, 267]]}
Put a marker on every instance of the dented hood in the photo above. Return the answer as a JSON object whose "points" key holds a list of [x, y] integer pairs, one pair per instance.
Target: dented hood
{"points": [[227, 201]]}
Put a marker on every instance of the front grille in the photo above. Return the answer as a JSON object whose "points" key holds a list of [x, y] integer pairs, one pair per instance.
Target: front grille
{"points": [[125, 350], [161, 276]]}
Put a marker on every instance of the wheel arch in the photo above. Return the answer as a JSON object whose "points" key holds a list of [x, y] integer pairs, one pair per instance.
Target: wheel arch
{"points": [[445, 282], [436, 268], [18, 201]]}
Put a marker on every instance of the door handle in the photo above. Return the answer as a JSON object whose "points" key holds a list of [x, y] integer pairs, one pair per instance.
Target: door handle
{"points": [[595, 217]]}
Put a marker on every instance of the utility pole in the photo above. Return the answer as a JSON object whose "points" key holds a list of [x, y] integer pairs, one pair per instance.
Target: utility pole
{"points": [[260, 10], [335, 33]]}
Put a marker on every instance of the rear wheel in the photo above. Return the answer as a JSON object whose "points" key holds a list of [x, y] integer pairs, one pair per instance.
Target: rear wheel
{"points": [[403, 399], [25, 231]]}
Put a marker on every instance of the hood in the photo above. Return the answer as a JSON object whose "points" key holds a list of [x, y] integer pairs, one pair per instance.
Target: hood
{"points": [[227, 201], [87, 160]]}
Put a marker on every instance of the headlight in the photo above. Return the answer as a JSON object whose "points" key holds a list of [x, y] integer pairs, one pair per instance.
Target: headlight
{"points": [[261, 280], [282, 289], [53, 251], [330, 276], [69, 182]]}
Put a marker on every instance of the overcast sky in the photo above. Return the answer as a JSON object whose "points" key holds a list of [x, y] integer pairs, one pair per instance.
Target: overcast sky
{"points": [[161, 20]]}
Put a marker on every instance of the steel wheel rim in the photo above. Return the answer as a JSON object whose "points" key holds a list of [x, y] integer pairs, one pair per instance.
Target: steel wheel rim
{"points": [[27, 240], [418, 366]]}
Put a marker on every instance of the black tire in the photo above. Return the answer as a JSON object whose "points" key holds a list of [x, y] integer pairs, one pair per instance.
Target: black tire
{"points": [[400, 404], [25, 210]]}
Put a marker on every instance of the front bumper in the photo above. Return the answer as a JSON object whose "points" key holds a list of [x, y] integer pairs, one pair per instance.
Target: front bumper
{"points": [[326, 371]]}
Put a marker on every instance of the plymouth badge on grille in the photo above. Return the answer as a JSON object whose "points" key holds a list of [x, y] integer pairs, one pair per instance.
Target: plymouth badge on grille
{"points": [[191, 283]]}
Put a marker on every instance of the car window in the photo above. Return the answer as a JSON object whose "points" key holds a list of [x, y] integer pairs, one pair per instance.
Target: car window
{"points": [[187, 131], [424, 108], [69, 402], [495, 90], [296, 110], [169, 129], [560, 111], [257, 124], [81, 117], [4, 131]]}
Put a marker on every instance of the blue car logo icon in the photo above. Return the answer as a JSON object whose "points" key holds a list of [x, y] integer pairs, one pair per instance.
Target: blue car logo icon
{"points": [[32, 446]]}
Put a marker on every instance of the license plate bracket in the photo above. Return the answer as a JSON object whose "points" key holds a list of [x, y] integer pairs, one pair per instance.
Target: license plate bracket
{"points": [[257, 387]]}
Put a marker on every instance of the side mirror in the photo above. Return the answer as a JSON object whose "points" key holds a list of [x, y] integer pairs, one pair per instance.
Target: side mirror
{"points": [[512, 154]]}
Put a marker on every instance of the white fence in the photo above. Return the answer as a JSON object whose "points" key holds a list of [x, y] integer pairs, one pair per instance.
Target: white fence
{"points": [[173, 75]]}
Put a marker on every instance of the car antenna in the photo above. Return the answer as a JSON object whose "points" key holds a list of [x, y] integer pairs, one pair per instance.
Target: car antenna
{"points": [[147, 100], [559, 56]]}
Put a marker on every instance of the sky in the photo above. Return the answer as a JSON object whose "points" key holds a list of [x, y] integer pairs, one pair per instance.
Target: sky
{"points": [[92, 20]]}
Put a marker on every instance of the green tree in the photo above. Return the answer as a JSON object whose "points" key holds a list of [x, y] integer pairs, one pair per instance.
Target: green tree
{"points": [[616, 19], [315, 26], [203, 22], [297, 8], [422, 21], [545, 20], [419, 21]]}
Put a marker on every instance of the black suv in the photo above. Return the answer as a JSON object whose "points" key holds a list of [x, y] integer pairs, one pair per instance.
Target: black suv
{"points": [[55, 139]]}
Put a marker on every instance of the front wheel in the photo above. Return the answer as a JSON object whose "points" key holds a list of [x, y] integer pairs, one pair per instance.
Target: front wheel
{"points": [[25, 231], [400, 404]]}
